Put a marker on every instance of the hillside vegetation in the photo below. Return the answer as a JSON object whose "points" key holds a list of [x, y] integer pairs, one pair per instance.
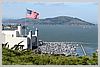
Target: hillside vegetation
{"points": [[60, 20], [15, 57]]}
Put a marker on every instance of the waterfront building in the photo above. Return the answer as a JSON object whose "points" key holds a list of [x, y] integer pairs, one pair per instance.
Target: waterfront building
{"points": [[16, 37]]}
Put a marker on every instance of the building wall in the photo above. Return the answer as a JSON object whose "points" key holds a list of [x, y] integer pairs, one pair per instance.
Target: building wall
{"points": [[15, 40], [9, 32], [2, 38], [34, 41]]}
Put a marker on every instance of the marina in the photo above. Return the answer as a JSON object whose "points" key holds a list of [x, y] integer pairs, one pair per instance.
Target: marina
{"points": [[65, 48]]}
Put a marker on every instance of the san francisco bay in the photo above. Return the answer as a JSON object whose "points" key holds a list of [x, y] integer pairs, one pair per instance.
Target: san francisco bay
{"points": [[62, 33]]}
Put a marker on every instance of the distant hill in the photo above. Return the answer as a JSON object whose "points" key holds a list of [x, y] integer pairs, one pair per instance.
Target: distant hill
{"points": [[61, 20]]}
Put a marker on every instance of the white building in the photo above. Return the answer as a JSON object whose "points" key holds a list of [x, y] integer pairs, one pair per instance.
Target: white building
{"points": [[14, 37]]}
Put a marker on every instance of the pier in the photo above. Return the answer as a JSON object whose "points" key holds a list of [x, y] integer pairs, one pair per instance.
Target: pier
{"points": [[83, 49]]}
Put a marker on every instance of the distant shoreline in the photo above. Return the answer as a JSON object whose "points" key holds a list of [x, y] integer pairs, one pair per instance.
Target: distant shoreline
{"points": [[59, 20]]}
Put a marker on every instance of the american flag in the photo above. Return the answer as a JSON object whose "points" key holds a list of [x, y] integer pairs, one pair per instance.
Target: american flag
{"points": [[32, 14]]}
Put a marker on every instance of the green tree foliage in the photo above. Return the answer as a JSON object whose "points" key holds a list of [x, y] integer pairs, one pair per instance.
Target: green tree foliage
{"points": [[28, 57]]}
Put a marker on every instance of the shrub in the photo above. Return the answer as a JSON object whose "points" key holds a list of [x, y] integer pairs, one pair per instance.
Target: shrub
{"points": [[13, 57]]}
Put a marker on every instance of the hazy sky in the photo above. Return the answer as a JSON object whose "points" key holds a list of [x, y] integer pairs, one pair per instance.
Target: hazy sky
{"points": [[86, 11]]}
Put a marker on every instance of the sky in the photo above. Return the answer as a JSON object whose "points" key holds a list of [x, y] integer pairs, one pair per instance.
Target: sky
{"points": [[85, 11]]}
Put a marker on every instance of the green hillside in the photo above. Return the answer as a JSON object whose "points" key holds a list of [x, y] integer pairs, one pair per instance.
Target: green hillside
{"points": [[61, 20], [15, 57]]}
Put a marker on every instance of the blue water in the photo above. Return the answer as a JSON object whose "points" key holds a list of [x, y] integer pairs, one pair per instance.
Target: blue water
{"points": [[87, 35]]}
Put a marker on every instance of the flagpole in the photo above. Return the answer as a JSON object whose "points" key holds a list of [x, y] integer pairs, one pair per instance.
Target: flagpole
{"points": [[25, 24]]}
